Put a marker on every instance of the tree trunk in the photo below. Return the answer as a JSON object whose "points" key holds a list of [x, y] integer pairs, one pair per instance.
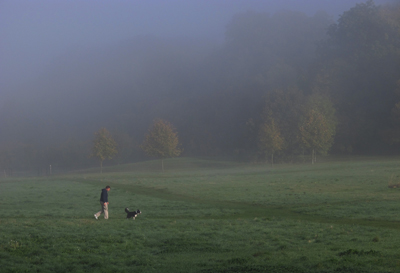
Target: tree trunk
{"points": [[101, 166], [162, 164], [272, 159], [312, 156]]}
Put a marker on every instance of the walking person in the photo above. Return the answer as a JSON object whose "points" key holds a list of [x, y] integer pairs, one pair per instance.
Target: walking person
{"points": [[103, 203]]}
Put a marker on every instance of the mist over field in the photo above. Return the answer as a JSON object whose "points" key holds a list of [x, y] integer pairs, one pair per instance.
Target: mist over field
{"points": [[226, 74]]}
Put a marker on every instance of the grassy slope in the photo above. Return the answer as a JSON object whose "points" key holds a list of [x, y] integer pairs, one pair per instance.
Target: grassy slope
{"points": [[204, 216]]}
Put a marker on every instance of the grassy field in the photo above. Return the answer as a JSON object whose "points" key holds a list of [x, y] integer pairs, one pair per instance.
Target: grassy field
{"points": [[207, 216]]}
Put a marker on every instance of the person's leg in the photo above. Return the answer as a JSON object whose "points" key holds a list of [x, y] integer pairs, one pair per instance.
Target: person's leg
{"points": [[105, 209], [100, 212]]}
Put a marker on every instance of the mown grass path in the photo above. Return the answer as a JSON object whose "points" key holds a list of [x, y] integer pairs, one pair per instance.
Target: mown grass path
{"points": [[249, 210]]}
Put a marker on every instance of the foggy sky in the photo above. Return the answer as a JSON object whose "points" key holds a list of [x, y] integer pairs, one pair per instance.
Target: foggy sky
{"points": [[34, 33]]}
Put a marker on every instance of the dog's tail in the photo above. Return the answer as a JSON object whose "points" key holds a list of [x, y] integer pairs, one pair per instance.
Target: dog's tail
{"points": [[126, 210]]}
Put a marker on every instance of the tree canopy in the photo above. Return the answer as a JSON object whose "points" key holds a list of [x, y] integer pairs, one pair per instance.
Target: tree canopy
{"points": [[270, 139], [104, 146], [161, 141]]}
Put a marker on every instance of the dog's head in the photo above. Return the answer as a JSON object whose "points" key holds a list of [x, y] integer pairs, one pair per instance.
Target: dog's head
{"points": [[138, 212]]}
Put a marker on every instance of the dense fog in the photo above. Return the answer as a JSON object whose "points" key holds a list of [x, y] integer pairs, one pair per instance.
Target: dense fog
{"points": [[227, 74]]}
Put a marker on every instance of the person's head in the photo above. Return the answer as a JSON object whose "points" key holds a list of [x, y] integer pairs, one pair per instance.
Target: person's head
{"points": [[108, 188]]}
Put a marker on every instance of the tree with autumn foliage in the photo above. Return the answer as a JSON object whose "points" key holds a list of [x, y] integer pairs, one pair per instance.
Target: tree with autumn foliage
{"points": [[104, 146], [316, 133], [162, 141], [269, 138]]}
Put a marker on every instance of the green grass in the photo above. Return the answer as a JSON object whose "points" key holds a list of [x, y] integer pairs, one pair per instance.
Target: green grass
{"points": [[206, 216]]}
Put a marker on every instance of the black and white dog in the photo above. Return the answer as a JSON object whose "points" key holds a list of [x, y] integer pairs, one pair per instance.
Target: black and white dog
{"points": [[132, 214]]}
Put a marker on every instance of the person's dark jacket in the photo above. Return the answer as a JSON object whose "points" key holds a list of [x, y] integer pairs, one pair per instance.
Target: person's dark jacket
{"points": [[104, 196]]}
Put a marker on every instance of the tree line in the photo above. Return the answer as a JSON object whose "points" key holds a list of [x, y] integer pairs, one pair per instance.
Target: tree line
{"points": [[161, 142], [281, 87]]}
